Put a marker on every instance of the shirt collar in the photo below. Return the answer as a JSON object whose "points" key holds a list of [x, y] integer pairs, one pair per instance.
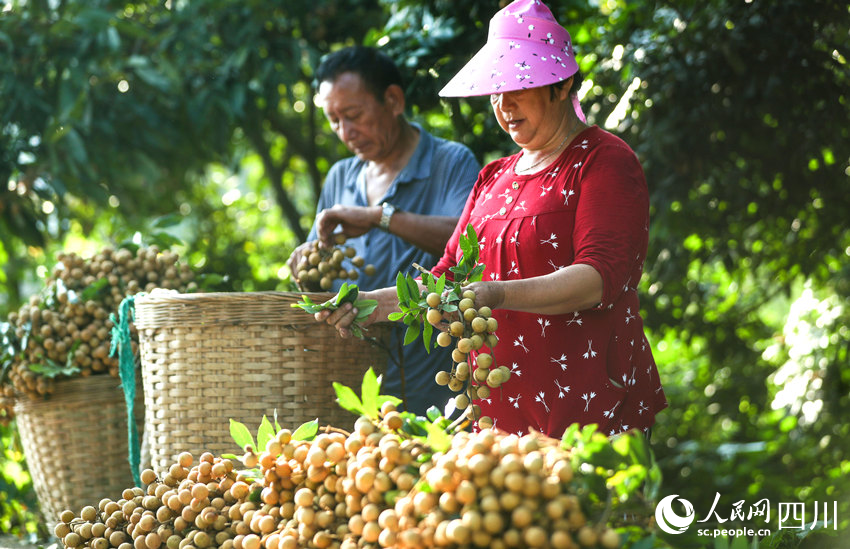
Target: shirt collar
{"points": [[417, 168], [419, 165]]}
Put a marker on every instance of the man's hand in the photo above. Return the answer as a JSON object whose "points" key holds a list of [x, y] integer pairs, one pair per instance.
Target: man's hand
{"points": [[355, 221], [296, 256]]}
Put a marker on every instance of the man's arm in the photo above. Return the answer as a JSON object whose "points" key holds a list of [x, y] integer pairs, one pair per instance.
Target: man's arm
{"points": [[427, 232]]}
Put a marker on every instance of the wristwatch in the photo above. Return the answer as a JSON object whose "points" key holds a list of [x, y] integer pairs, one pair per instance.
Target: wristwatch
{"points": [[386, 213]]}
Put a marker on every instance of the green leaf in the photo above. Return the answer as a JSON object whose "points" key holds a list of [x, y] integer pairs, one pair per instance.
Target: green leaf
{"points": [[241, 435], [265, 433], [476, 274], [401, 288], [395, 316], [413, 287], [441, 284], [388, 398], [309, 307], [347, 399], [433, 413], [50, 370], [365, 307], [92, 290], [369, 390], [427, 333], [164, 240], [437, 439], [472, 243], [307, 431], [256, 495], [411, 333], [347, 293]]}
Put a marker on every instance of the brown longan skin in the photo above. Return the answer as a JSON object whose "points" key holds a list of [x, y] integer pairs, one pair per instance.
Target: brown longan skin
{"points": [[62, 323], [341, 489]]}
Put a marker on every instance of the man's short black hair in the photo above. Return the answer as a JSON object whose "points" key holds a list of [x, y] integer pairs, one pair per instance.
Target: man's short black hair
{"points": [[376, 68]]}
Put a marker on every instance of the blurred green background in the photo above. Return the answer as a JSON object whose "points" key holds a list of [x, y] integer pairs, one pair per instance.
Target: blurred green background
{"points": [[115, 116]]}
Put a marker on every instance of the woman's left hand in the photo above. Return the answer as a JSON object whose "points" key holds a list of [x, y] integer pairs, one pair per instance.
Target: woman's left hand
{"points": [[487, 294]]}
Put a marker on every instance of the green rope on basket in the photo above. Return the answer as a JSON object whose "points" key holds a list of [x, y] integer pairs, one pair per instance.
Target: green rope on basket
{"points": [[122, 342]]}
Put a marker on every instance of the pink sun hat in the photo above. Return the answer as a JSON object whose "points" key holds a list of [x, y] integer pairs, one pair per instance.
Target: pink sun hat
{"points": [[526, 48]]}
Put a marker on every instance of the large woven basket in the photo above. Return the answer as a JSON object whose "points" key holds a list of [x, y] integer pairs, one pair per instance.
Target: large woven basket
{"points": [[75, 443], [211, 357]]}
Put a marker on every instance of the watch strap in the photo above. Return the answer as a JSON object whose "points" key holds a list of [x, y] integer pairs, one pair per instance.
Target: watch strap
{"points": [[387, 211]]}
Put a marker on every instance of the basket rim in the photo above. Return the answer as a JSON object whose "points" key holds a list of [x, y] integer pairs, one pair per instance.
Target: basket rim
{"points": [[160, 309], [195, 297], [70, 391]]}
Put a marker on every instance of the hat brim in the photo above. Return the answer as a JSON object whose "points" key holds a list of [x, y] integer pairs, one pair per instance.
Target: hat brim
{"points": [[504, 65]]}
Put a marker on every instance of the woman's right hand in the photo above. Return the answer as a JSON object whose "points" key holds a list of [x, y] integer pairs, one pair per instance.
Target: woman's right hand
{"points": [[343, 317]]}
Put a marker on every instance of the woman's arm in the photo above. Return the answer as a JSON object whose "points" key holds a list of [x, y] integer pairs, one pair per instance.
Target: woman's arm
{"points": [[573, 288]]}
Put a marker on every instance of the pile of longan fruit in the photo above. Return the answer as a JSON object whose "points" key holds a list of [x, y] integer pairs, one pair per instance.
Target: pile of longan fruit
{"points": [[374, 487], [68, 322], [474, 329], [320, 266]]}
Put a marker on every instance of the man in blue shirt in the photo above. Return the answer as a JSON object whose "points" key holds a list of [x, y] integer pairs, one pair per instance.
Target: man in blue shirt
{"points": [[397, 199]]}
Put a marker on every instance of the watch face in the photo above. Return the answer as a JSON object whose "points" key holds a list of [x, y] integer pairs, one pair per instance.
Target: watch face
{"points": [[386, 214]]}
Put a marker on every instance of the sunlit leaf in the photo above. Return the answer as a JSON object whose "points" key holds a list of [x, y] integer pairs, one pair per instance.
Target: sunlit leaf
{"points": [[369, 390], [347, 399], [306, 431], [241, 435], [265, 433]]}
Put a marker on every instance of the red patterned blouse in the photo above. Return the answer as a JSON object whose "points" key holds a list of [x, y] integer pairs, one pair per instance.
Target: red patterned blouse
{"points": [[591, 206]]}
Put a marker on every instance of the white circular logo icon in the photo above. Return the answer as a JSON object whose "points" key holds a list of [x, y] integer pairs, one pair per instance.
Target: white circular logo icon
{"points": [[668, 520]]}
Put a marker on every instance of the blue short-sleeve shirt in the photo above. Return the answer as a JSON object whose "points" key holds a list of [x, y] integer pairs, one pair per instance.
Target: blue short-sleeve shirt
{"points": [[436, 181]]}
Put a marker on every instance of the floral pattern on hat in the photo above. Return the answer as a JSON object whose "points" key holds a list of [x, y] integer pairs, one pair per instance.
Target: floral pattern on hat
{"points": [[526, 48]]}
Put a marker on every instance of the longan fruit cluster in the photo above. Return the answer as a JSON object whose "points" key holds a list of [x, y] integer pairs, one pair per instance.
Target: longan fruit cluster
{"points": [[374, 487], [472, 378], [191, 506], [68, 322], [320, 266]]}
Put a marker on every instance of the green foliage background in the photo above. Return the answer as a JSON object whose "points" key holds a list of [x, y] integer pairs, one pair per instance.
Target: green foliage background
{"points": [[114, 114]]}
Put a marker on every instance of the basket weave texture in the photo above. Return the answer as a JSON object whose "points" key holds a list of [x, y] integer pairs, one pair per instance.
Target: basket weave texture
{"points": [[75, 443], [211, 357]]}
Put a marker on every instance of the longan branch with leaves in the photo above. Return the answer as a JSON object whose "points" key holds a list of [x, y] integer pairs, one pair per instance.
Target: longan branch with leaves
{"points": [[347, 294], [424, 306]]}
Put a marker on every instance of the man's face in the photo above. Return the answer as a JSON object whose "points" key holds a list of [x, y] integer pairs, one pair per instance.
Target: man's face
{"points": [[368, 127]]}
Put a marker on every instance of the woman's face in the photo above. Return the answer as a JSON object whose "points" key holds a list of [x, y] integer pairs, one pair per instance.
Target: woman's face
{"points": [[531, 117]]}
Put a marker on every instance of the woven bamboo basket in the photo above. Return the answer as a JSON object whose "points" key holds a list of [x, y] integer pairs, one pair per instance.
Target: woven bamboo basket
{"points": [[211, 357], [75, 443]]}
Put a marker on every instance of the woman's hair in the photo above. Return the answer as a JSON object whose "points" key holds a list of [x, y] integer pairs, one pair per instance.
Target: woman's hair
{"points": [[376, 68], [577, 81]]}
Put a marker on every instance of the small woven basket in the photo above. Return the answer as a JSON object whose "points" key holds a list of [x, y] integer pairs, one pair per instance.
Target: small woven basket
{"points": [[75, 443], [211, 357]]}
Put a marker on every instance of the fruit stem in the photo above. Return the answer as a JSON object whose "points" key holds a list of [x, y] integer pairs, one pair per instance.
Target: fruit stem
{"points": [[421, 269], [331, 429], [458, 423]]}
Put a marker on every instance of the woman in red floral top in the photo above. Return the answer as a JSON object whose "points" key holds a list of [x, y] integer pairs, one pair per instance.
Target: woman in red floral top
{"points": [[563, 231], [564, 248]]}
